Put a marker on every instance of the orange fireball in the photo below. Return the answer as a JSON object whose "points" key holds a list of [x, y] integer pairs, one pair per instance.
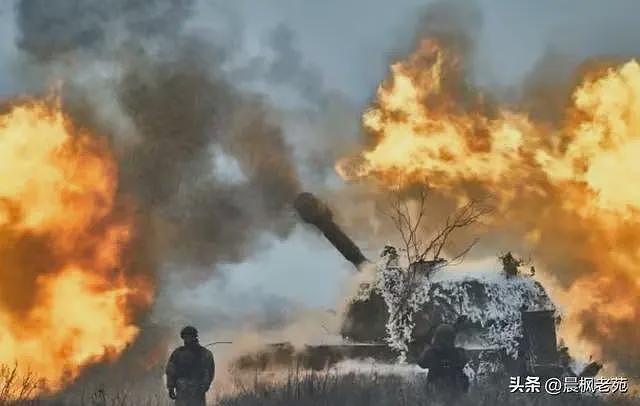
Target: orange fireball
{"points": [[563, 191], [67, 298]]}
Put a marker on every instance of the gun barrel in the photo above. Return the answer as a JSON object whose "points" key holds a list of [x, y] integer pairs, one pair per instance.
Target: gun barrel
{"points": [[218, 342], [314, 212]]}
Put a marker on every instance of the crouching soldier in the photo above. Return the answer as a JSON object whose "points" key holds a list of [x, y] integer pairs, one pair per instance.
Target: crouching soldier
{"points": [[190, 370], [445, 362]]}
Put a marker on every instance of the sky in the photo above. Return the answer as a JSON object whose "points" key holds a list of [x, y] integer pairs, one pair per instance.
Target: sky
{"points": [[349, 44]]}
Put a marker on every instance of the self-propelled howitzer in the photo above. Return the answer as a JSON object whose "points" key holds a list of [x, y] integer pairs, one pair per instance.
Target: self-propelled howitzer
{"points": [[498, 308]]}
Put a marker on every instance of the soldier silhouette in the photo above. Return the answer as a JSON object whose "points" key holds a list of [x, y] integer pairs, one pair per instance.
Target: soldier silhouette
{"points": [[190, 370], [445, 362]]}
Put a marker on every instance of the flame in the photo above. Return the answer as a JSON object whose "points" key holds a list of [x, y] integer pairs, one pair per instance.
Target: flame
{"points": [[66, 300], [564, 190]]}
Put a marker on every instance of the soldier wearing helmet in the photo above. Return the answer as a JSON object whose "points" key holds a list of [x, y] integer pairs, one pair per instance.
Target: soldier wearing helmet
{"points": [[445, 362], [190, 370]]}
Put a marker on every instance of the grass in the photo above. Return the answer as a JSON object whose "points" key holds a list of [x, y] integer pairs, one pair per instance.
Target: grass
{"points": [[16, 384], [297, 388], [378, 390]]}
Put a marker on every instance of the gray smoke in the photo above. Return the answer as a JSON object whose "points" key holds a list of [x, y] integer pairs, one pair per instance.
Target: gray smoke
{"points": [[288, 67], [180, 115], [49, 30]]}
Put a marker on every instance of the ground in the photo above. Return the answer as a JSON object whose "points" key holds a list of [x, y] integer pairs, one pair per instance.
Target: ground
{"points": [[342, 389], [378, 390]]}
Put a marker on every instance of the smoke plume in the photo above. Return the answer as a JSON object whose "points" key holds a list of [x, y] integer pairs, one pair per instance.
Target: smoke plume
{"points": [[180, 115]]}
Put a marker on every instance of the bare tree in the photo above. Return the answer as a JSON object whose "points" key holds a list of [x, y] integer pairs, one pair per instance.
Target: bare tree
{"points": [[425, 252], [416, 246]]}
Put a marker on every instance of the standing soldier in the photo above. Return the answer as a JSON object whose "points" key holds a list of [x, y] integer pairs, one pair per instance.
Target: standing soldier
{"points": [[190, 370], [445, 362]]}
